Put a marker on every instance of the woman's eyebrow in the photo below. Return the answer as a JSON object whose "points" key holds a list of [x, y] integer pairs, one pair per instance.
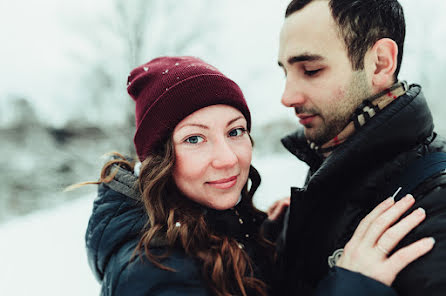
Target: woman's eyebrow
{"points": [[233, 120], [194, 124], [205, 126]]}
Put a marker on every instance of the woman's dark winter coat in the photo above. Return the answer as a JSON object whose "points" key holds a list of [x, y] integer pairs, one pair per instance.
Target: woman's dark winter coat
{"points": [[115, 228], [347, 185], [112, 235]]}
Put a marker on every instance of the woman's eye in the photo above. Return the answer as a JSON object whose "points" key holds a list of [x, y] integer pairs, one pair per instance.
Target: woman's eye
{"points": [[237, 132], [194, 140], [312, 72]]}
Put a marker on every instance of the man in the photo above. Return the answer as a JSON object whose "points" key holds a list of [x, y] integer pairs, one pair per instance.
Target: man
{"points": [[362, 129]]}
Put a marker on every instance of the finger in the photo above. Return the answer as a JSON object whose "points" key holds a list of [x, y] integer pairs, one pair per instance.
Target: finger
{"points": [[396, 233], [367, 220], [386, 219], [272, 207], [406, 255], [287, 200], [285, 204], [275, 213], [279, 210]]}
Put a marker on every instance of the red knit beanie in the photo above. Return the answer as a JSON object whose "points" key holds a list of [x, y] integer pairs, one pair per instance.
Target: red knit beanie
{"points": [[168, 89]]}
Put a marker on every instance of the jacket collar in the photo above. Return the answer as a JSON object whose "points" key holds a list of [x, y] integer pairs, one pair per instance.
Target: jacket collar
{"points": [[235, 221], [401, 125], [119, 216]]}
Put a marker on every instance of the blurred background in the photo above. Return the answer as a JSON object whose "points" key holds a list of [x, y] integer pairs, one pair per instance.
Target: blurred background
{"points": [[63, 105]]}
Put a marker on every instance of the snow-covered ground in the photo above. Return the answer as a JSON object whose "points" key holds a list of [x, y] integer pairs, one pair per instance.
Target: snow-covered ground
{"points": [[44, 253]]}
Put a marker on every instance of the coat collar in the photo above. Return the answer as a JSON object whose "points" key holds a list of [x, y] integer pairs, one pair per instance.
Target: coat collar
{"points": [[401, 125], [122, 197]]}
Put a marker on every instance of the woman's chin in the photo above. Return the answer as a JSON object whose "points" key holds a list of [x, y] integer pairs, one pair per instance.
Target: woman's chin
{"points": [[228, 203]]}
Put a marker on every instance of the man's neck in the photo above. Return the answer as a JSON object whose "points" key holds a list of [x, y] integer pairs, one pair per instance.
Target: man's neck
{"points": [[368, 109]]}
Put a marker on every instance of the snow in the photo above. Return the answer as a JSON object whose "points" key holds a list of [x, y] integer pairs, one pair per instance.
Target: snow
{"points": [[279, 173], [44, 253]]}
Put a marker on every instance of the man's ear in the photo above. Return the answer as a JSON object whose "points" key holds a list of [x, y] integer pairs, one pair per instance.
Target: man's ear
{"points": [[383, 59]]}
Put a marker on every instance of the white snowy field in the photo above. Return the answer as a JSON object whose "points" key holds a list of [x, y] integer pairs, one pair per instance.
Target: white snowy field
{"points": [[44, 253]]}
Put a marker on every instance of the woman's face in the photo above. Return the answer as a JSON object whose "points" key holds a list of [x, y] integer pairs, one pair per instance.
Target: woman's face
{"points": [[213, 154]]}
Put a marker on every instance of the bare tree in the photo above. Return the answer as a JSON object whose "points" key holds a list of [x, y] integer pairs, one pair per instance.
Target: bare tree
{"points": [[129, 33]]}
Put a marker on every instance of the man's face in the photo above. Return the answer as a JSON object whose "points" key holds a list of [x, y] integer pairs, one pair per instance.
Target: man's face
{"points": [[320, 83]]}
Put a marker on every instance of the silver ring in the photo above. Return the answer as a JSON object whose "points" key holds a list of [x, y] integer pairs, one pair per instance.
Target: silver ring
{"points": [[382, 250]]}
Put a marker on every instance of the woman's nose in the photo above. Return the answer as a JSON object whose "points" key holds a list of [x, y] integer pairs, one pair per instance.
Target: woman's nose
{"points": [[224, 155]]}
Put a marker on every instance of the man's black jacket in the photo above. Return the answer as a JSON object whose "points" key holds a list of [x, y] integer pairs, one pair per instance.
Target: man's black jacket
{"points": [[348, 184]]}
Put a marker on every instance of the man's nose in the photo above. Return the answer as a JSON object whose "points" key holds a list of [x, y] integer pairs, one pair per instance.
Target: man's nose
{"points": [[224, 155], [293, 95]]}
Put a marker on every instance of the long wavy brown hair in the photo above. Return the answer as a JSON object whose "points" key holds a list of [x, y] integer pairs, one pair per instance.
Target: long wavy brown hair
{"points": [[227, 269]]}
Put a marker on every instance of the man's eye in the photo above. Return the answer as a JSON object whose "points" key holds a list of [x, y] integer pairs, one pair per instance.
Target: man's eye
{"points": [[194, 140], [237, 132], [312, 72]]}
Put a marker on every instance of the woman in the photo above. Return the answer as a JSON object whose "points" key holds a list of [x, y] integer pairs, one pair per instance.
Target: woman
{"points": [[186, 225]]}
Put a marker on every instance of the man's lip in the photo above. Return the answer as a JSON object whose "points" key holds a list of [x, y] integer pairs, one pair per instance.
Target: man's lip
{"points": [[304, 116], [306, 119], [222, 181]]}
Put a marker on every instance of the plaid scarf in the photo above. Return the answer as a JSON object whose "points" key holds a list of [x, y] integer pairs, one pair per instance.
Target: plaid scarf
{"points": [[367, 110]]}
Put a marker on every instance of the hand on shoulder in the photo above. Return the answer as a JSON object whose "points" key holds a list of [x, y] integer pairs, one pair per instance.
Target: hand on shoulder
{"points": [[368, 250]]}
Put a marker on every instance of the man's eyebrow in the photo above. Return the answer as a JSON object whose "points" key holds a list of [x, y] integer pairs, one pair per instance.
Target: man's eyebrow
{"points": [[303, 58]]}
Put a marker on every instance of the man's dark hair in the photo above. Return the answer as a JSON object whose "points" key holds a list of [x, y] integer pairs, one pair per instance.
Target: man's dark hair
{"points": [[363, 22]]}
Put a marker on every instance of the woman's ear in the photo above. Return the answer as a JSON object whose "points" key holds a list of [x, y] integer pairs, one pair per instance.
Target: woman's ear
{"points": [[383, 60]]}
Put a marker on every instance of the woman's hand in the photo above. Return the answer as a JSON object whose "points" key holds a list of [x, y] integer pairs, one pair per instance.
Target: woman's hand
{"points": [[277, 209], [368, 249]]}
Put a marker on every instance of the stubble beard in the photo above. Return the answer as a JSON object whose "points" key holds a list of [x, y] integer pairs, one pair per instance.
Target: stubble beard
{"points": [[337, 115]]}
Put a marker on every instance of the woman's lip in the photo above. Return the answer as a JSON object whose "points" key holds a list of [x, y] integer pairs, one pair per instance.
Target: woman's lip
{"points": [[224, 183], [223, 180]]}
